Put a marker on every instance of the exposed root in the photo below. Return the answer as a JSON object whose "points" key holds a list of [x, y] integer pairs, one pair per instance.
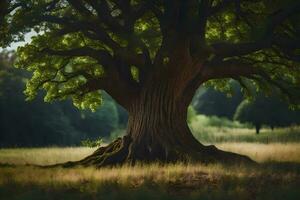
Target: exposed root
{"points": [[119, 152], [225, 157], [113, 154]]}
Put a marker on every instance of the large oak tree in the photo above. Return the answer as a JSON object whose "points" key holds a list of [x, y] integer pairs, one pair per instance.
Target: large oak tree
{"points": [[151, 56]]}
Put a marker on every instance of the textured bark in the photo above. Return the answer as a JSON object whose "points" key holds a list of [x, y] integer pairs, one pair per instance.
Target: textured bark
{"points": [[158, 132]]}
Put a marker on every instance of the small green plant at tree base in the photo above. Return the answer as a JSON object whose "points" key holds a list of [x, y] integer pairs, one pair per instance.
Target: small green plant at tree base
{"points": [[92, 143]]}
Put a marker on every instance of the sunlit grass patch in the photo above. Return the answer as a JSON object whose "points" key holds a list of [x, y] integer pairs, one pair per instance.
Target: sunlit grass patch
{"points": [[260, 152], [43, 156], [207, 134], [279, 152]]}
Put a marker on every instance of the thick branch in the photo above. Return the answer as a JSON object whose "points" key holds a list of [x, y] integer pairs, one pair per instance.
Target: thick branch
{"points": [[236, 69], [204, 8], [266, 40], [80, 7], [104, 14], [229, 69], [112, 82], [225, 4], [83, 51], [84, 27]]}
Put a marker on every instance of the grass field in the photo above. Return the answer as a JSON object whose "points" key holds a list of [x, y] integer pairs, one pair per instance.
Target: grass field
{"points": [[277, 177]]}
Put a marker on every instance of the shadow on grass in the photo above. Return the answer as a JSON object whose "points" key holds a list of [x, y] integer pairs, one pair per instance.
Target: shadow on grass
{"points": [[259, 186], [229, 189], [282, 166], [4, 165]]}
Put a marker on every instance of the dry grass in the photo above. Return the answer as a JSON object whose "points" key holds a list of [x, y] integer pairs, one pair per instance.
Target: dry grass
{"points": [[278, 152], [222, 134], [173, 181], [43, 156], [123, 175]]}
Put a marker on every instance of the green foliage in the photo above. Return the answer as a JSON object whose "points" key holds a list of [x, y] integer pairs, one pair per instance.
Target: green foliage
{"points": [[191, 114], [104, 120], [210, 132], [211, 102], [214, 121], [39, 124], [101, 122], [77, 48], [135, 73], [235, 27], [65, 76], [92, 143], [68, 51], [269, 111], [117, 133], [60, 77]]}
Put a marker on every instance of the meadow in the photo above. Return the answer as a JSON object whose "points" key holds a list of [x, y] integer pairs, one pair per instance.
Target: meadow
{"points": [[277, 177]]}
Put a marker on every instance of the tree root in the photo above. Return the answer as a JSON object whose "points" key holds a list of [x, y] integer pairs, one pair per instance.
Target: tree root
{"points": [[113, 154], [117, 153]]}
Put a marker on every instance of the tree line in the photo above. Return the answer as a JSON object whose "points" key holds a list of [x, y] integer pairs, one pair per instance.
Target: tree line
{"points": [[262, 110], [34, 123]]}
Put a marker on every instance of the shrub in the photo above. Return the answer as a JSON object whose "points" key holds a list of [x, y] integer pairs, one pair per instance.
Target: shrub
{"points": [[92, 143]]}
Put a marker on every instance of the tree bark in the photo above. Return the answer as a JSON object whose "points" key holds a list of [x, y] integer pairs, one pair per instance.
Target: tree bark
{"points": [[157, 131]]}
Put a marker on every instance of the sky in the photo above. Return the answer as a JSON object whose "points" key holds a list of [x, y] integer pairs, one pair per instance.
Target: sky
{"points": [[15, 45]]}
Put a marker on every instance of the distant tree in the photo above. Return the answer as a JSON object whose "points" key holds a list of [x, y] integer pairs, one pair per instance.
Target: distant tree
{"points": [[191, 114], [29, 123], [270, 111], [211, 102], [37, 124], [101, 122]]}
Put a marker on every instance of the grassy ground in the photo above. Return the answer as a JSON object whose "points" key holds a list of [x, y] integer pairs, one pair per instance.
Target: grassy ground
{"points": [[212, 135], [151, 182], [278, 177], [260, 152], [43, 156]]}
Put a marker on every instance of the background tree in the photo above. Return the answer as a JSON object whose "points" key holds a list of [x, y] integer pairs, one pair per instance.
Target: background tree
{"points": [[211, 102], [270, 111], [100, 123], [151, 56], [28, 124], [37, 124]]}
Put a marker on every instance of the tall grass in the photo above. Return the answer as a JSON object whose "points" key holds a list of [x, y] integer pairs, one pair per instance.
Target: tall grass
{"points": [[214, 121], [279, 152], [278, 177], [43, 156], [217, 130], [151, 181], [174, 181], [274, 152], [131, 174]]}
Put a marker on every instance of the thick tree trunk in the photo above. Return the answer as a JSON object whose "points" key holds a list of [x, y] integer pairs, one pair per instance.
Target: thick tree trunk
{"points": [[158, 132], [158, 128]]}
